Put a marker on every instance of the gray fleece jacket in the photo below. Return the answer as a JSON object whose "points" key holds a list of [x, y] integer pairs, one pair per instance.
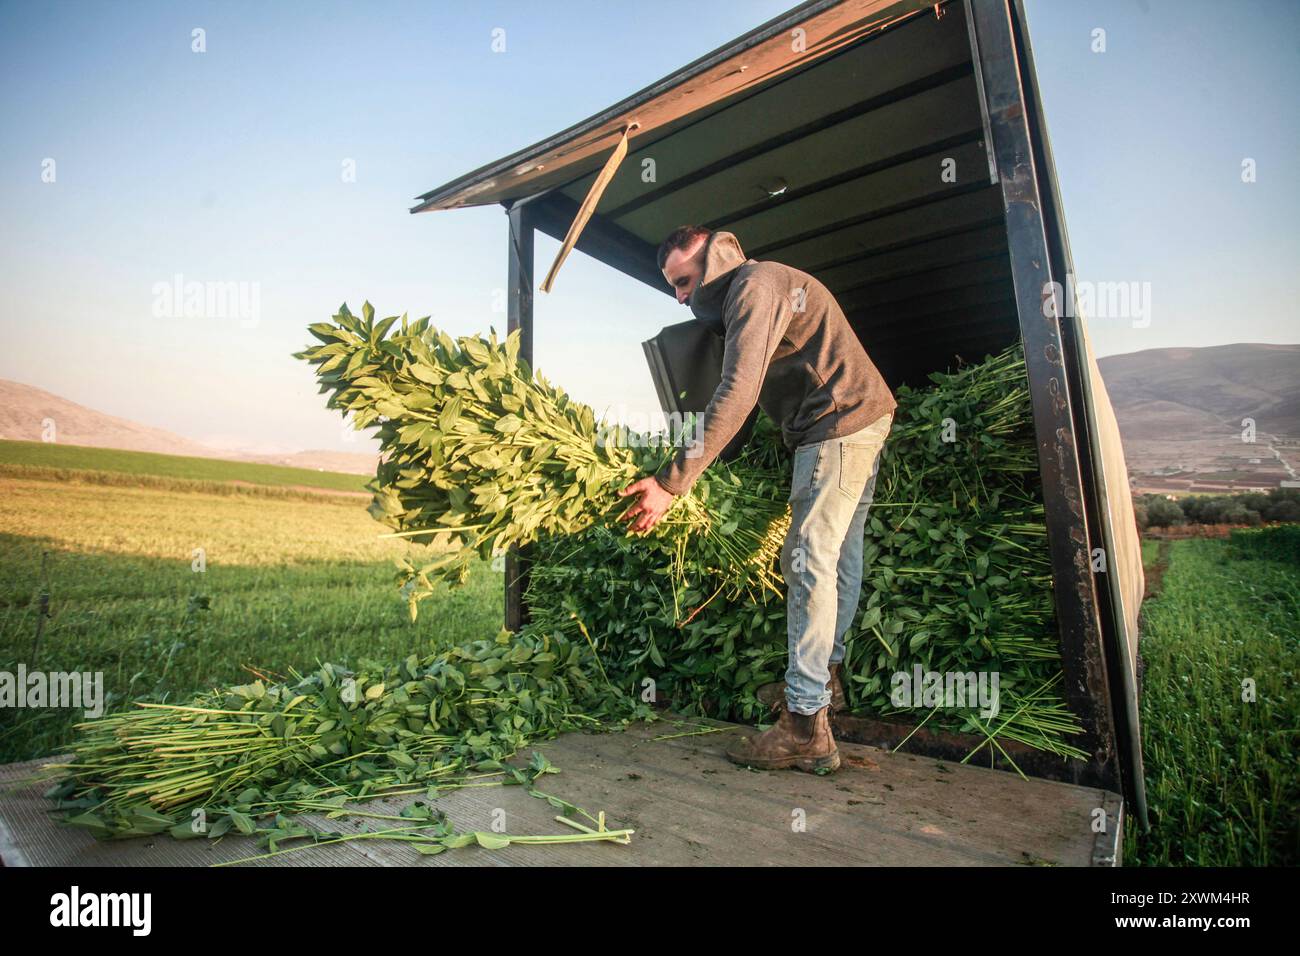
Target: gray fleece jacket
{"points": [[788, 348]]}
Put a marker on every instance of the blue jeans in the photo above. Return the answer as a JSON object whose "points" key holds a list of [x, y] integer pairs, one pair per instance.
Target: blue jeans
{"points": [[830, 493]]}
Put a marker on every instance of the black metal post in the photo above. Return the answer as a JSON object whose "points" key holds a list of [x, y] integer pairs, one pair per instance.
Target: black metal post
{"points": [[1083, 658], [1119, 643], [519, 315]]}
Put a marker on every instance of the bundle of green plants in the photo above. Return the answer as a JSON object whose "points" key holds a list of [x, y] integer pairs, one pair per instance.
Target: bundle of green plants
{"points": [[956, 577], [674, 634], [481, 453], [334, 736]]}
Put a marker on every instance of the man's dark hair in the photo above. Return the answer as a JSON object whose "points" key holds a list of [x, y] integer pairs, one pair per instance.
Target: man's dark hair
{"points": [[683, 237]]}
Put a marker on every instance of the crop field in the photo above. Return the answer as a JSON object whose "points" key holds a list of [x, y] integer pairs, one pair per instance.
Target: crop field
{"points": [[50, 455], [1223, 787], [287, 581]]}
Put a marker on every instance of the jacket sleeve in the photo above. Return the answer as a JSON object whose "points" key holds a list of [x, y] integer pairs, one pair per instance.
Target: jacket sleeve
{"points": [[759, 316]]}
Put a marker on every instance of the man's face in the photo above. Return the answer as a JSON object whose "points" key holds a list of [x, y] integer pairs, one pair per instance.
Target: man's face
{"points": [[683, 269]]}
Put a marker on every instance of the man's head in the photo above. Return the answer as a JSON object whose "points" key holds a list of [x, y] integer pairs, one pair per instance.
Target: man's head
{"points": [[681, 259]]}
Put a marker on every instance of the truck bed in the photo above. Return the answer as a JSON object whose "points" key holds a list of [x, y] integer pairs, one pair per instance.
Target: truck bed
{"points": [[670, 781]]}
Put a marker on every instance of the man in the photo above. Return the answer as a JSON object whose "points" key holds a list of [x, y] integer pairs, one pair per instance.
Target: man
{"points": [[788, 348]]}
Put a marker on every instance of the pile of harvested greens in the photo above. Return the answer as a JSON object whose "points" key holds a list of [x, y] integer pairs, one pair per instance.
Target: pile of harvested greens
{"points": [[316, 742], [480, 453], [956, 577]]}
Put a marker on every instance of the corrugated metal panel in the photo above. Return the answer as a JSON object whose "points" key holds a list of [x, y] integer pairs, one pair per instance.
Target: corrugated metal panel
{"points": [[880, 159]]}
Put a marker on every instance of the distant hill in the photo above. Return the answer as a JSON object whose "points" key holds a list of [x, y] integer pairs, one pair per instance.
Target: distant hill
{"points": [[25, 410], [1180, 415], [1179, 410]]}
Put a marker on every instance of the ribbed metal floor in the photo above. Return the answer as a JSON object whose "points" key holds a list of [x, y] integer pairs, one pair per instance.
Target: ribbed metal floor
{"points": [[688, 805]]}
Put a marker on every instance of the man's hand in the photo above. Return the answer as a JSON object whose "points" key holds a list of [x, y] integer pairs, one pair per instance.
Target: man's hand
{"points": [[654, 502]]}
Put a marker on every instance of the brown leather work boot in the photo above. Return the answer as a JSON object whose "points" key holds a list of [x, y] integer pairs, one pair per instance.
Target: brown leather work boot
{"points": [[773, 695], [795, 740]]}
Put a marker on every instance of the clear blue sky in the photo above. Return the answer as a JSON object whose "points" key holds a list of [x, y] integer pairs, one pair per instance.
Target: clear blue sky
{"points": [[227, 165]]}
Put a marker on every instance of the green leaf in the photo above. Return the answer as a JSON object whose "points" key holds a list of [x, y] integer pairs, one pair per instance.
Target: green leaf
{"points": [[508, 424]]}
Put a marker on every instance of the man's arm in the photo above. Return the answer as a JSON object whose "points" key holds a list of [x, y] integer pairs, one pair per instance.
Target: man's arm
{"points": [[762, 317]]}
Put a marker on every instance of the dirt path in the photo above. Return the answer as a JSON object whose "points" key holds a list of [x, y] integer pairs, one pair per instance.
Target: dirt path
{"points": [[1155, 575], [1155, 579]]}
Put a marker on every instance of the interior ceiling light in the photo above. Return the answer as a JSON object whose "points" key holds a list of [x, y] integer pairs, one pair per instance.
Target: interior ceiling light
{"points": [[774, 187]]}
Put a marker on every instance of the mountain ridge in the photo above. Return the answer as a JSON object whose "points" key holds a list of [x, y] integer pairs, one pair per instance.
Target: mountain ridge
{"points": [[29, 413], [1180, 412]]}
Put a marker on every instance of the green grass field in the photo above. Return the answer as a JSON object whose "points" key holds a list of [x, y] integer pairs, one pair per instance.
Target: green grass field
{"points": [[1223, 784], [53, 455], [289, 581]]}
